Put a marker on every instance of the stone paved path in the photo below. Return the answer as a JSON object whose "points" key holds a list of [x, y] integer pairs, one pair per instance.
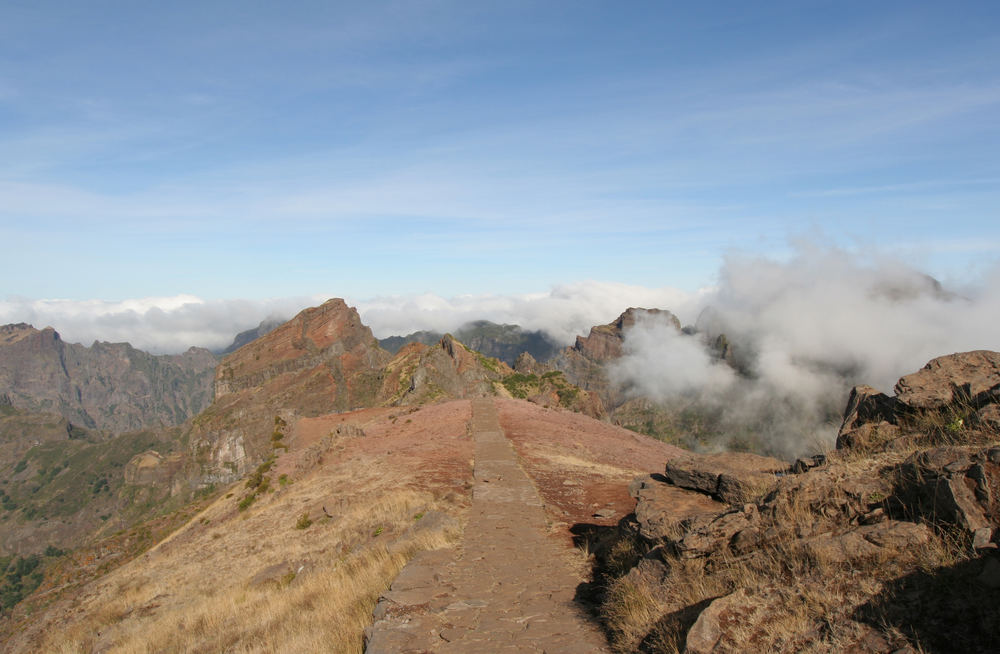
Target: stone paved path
{"points": [[507, 588]]}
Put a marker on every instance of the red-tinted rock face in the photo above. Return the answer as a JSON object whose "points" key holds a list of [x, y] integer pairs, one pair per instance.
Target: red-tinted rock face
{"points": [[330, 336], [324, 360]]}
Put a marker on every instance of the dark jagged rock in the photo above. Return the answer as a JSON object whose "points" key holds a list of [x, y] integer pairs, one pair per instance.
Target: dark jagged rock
{"points": [[903, 522], [957, 391], [869, 418]]}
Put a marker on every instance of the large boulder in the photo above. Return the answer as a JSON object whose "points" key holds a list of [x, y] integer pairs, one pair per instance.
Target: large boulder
{"points": [[972, 377], [660, 508]]}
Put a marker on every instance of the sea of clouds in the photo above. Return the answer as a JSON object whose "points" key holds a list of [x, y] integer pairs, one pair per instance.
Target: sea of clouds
{"points": [[805, 329]]}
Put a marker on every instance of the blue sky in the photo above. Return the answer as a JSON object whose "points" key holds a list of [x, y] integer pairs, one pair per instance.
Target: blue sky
{"points": [[251, 150]]}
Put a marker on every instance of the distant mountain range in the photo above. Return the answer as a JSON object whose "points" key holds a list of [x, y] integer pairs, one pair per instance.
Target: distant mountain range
{"points": [[504, 342], [111, 387]]}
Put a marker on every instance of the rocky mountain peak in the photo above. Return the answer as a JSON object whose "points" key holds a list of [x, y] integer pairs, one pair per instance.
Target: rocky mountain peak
{"points": [[331, 331], [605, 342]]}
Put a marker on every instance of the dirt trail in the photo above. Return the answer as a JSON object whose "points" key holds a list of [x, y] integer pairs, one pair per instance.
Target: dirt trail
{"points": [[507, 588]]}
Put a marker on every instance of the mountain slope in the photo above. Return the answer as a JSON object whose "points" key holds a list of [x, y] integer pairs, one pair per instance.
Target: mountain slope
{"points": [[265, 327]]}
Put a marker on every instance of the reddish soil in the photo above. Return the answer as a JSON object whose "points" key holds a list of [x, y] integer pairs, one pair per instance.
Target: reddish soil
{"points": [[421, 447], [580, 466]]}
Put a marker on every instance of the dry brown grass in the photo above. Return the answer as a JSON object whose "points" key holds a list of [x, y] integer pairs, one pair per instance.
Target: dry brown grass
{"points": [[325, 609], [250, 581]]}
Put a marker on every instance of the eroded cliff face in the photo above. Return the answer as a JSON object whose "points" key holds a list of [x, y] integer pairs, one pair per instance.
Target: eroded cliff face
{"points": [[330, 338], [108, 386]]}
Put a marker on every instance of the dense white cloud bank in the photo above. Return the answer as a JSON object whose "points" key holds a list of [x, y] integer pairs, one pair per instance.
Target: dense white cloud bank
{"points": [[156, 324], [172, 324], [563, 312]]}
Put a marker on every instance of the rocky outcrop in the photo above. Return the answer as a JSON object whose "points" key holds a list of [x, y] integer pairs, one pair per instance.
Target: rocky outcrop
{"points": [[151, 468], [900, 528], [955, 486], [972, 378], [420, 374], [951, 393], [529, 365], [108, 386], [731, 477]]}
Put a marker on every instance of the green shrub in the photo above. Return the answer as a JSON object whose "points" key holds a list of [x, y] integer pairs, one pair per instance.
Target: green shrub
{"points": [[303, 522]]}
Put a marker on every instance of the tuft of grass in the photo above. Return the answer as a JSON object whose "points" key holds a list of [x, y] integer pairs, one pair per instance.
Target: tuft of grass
{"points": [[303, 522]]}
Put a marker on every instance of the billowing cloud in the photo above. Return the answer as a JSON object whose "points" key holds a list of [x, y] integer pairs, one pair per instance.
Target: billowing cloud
{"points": [[804, 331]]}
